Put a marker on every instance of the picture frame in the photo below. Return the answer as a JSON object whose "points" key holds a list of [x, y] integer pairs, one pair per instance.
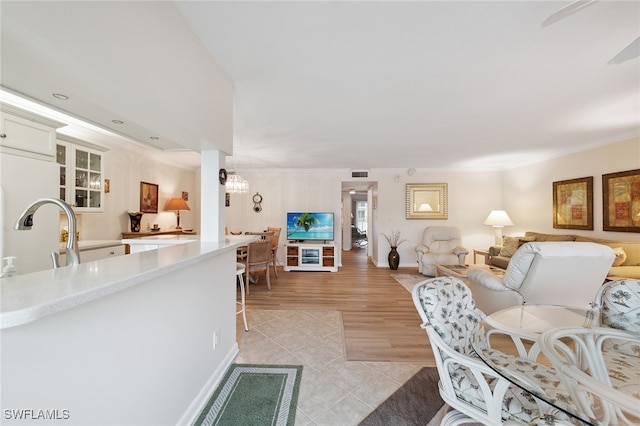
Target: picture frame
{"points": [[427, 201], [185, 195], [148, 197], [621, 201], [573, 204]]}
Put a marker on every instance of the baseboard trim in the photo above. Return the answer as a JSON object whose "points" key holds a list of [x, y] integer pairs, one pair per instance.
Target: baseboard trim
{"points": [[199, 402]]}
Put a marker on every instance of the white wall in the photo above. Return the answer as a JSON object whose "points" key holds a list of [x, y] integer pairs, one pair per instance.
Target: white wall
{"points": [[282, 192], [527, 191], [126, 169]]}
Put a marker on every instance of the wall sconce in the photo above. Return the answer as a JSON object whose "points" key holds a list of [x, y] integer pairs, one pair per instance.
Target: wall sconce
{"points": [[177, 204], [498, 219]]}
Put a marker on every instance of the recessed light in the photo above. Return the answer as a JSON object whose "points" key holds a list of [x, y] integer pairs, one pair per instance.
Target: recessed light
{"points": [[60, 96], [155, 138], [118, 121]]}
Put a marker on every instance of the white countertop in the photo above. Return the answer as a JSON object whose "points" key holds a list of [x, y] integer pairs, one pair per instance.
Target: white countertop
{"points": [[29, 297]]}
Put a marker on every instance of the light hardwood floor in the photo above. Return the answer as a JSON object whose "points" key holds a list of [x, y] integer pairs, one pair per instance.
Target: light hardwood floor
{"points": [[379, 320]]}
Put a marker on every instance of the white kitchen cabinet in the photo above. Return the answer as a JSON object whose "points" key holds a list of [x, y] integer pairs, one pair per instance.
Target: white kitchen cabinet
{"points": [[95, 250], [27, 134], [81, 174], [27, 173]]}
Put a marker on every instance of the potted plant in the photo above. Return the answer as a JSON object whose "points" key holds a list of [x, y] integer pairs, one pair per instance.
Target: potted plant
{"points": [[394, 241]]}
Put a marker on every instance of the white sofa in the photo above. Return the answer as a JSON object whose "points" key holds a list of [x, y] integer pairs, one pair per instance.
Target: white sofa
{"points": [[554, 273]]}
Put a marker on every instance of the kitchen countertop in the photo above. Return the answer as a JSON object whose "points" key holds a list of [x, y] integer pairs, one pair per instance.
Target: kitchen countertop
{"points": [[30, 297]]}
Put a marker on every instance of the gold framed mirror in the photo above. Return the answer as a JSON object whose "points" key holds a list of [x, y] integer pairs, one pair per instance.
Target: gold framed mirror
{"points": [[427, 201]]}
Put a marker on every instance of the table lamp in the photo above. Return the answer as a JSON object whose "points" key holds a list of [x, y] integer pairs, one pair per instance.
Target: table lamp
{"points": [[498, 219], [177, 204]]}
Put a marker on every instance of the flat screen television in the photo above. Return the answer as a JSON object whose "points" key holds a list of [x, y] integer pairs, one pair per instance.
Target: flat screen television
{"points": [[310, 226]]}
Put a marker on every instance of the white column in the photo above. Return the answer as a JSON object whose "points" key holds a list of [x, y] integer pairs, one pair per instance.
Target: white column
{"points": [[212, 217]]}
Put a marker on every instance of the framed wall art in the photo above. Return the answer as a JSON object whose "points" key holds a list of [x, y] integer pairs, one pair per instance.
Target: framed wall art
{"points": [[621, 201], [148, 197], [427, 201], [573, 204]]}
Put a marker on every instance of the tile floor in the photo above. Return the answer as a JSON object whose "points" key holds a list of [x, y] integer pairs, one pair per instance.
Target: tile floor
{"points": [[333, 391]]}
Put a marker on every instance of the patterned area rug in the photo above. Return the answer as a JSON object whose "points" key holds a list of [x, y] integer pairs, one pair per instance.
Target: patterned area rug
{"points": [[254, 395], [417, 402], [408, 280]]}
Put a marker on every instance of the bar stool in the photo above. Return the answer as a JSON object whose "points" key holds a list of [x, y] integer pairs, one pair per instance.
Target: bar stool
{"points": [[239, 273]]}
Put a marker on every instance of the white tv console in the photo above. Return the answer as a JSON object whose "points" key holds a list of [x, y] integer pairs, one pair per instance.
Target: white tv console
{"points": [[310, 257]]}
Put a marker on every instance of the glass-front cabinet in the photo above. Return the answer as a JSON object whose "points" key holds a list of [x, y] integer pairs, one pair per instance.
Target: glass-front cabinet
{"points": [[81, 175]]}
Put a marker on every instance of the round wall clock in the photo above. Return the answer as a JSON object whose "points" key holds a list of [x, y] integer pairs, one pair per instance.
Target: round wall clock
{"points": [[223, 176]]}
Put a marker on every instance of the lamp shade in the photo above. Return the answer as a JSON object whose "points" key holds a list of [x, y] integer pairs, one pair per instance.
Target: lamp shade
{"points": [[498, 218], [177, 204]]}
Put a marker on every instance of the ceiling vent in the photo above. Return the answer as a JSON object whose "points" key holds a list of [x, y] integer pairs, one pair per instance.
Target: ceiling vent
{"points": [[359, 173]]}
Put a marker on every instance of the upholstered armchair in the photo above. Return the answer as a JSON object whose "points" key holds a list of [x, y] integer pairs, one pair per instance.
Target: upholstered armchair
{"points": [[440, 245], [554, 273]]}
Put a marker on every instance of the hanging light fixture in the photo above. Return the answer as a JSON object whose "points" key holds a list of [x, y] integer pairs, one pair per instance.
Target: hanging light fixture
{"points": [[236, 184]]}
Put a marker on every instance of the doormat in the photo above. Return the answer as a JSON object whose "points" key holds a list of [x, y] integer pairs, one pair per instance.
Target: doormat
{"points": [[254, 395], [417, 402], [409, 280]]}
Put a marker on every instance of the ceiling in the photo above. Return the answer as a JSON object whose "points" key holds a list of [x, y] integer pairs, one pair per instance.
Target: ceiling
{"points": [[355, 85]]}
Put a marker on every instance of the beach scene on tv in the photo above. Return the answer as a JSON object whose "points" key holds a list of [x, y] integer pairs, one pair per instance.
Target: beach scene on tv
{"points": [[310, 226]]}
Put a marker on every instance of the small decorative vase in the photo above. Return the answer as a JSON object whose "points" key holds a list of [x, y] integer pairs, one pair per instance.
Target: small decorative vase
{"points": [[394, 258], [136, 219]]}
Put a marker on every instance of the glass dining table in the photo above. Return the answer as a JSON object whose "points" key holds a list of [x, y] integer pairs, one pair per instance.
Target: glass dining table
{"points": [[508, 341]]}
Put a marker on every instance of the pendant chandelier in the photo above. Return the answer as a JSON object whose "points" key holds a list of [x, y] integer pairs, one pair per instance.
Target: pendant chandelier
{"points": [[236, 184]]}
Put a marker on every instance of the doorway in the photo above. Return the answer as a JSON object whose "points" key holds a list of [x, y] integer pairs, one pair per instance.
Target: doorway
{"points": [[357, 217]]}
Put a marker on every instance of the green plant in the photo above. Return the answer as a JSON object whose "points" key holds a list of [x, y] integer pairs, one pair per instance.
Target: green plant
{"points": [[394, 239]]}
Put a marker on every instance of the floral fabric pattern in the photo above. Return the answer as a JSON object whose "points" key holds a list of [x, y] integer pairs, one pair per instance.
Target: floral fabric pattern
{"points": [[452, 314], [620, 305]]}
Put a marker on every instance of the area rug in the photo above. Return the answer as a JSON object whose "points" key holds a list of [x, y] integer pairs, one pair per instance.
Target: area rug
{"points": [[254, 395], [408, 280], [417, 402]]}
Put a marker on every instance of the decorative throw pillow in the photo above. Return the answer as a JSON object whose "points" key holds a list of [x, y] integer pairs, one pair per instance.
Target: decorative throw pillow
{"points": [[621, 256], [509, 246]]}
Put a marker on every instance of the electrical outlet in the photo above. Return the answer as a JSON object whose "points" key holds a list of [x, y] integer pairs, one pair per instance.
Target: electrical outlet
{"points": [[216, 338]]}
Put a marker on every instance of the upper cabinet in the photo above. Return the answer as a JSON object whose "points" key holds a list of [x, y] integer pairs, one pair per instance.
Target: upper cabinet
{"points": [[27, 134], [81, 174]]}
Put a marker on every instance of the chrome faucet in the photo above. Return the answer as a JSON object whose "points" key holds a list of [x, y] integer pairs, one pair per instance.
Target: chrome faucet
{"points": [[25, 222]]}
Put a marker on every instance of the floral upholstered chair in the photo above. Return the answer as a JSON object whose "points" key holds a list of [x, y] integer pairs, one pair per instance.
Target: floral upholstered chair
{"points": [[617, 305], [467, 384]]}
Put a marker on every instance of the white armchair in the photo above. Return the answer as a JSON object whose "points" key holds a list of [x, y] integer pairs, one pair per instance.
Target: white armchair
{"points": [[440, 245], [562, 272]]}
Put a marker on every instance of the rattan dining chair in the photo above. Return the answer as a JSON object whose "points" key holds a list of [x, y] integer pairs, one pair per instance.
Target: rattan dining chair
{"points": [[274, 248], [617, 305], [257, 260], [474, 391], [601, 369]]}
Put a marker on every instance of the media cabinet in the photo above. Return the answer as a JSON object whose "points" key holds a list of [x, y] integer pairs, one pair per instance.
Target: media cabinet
{"points": [[310, 257]]}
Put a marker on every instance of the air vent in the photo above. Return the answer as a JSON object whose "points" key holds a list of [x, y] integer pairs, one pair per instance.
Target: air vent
{"points": [[359, 173]]}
